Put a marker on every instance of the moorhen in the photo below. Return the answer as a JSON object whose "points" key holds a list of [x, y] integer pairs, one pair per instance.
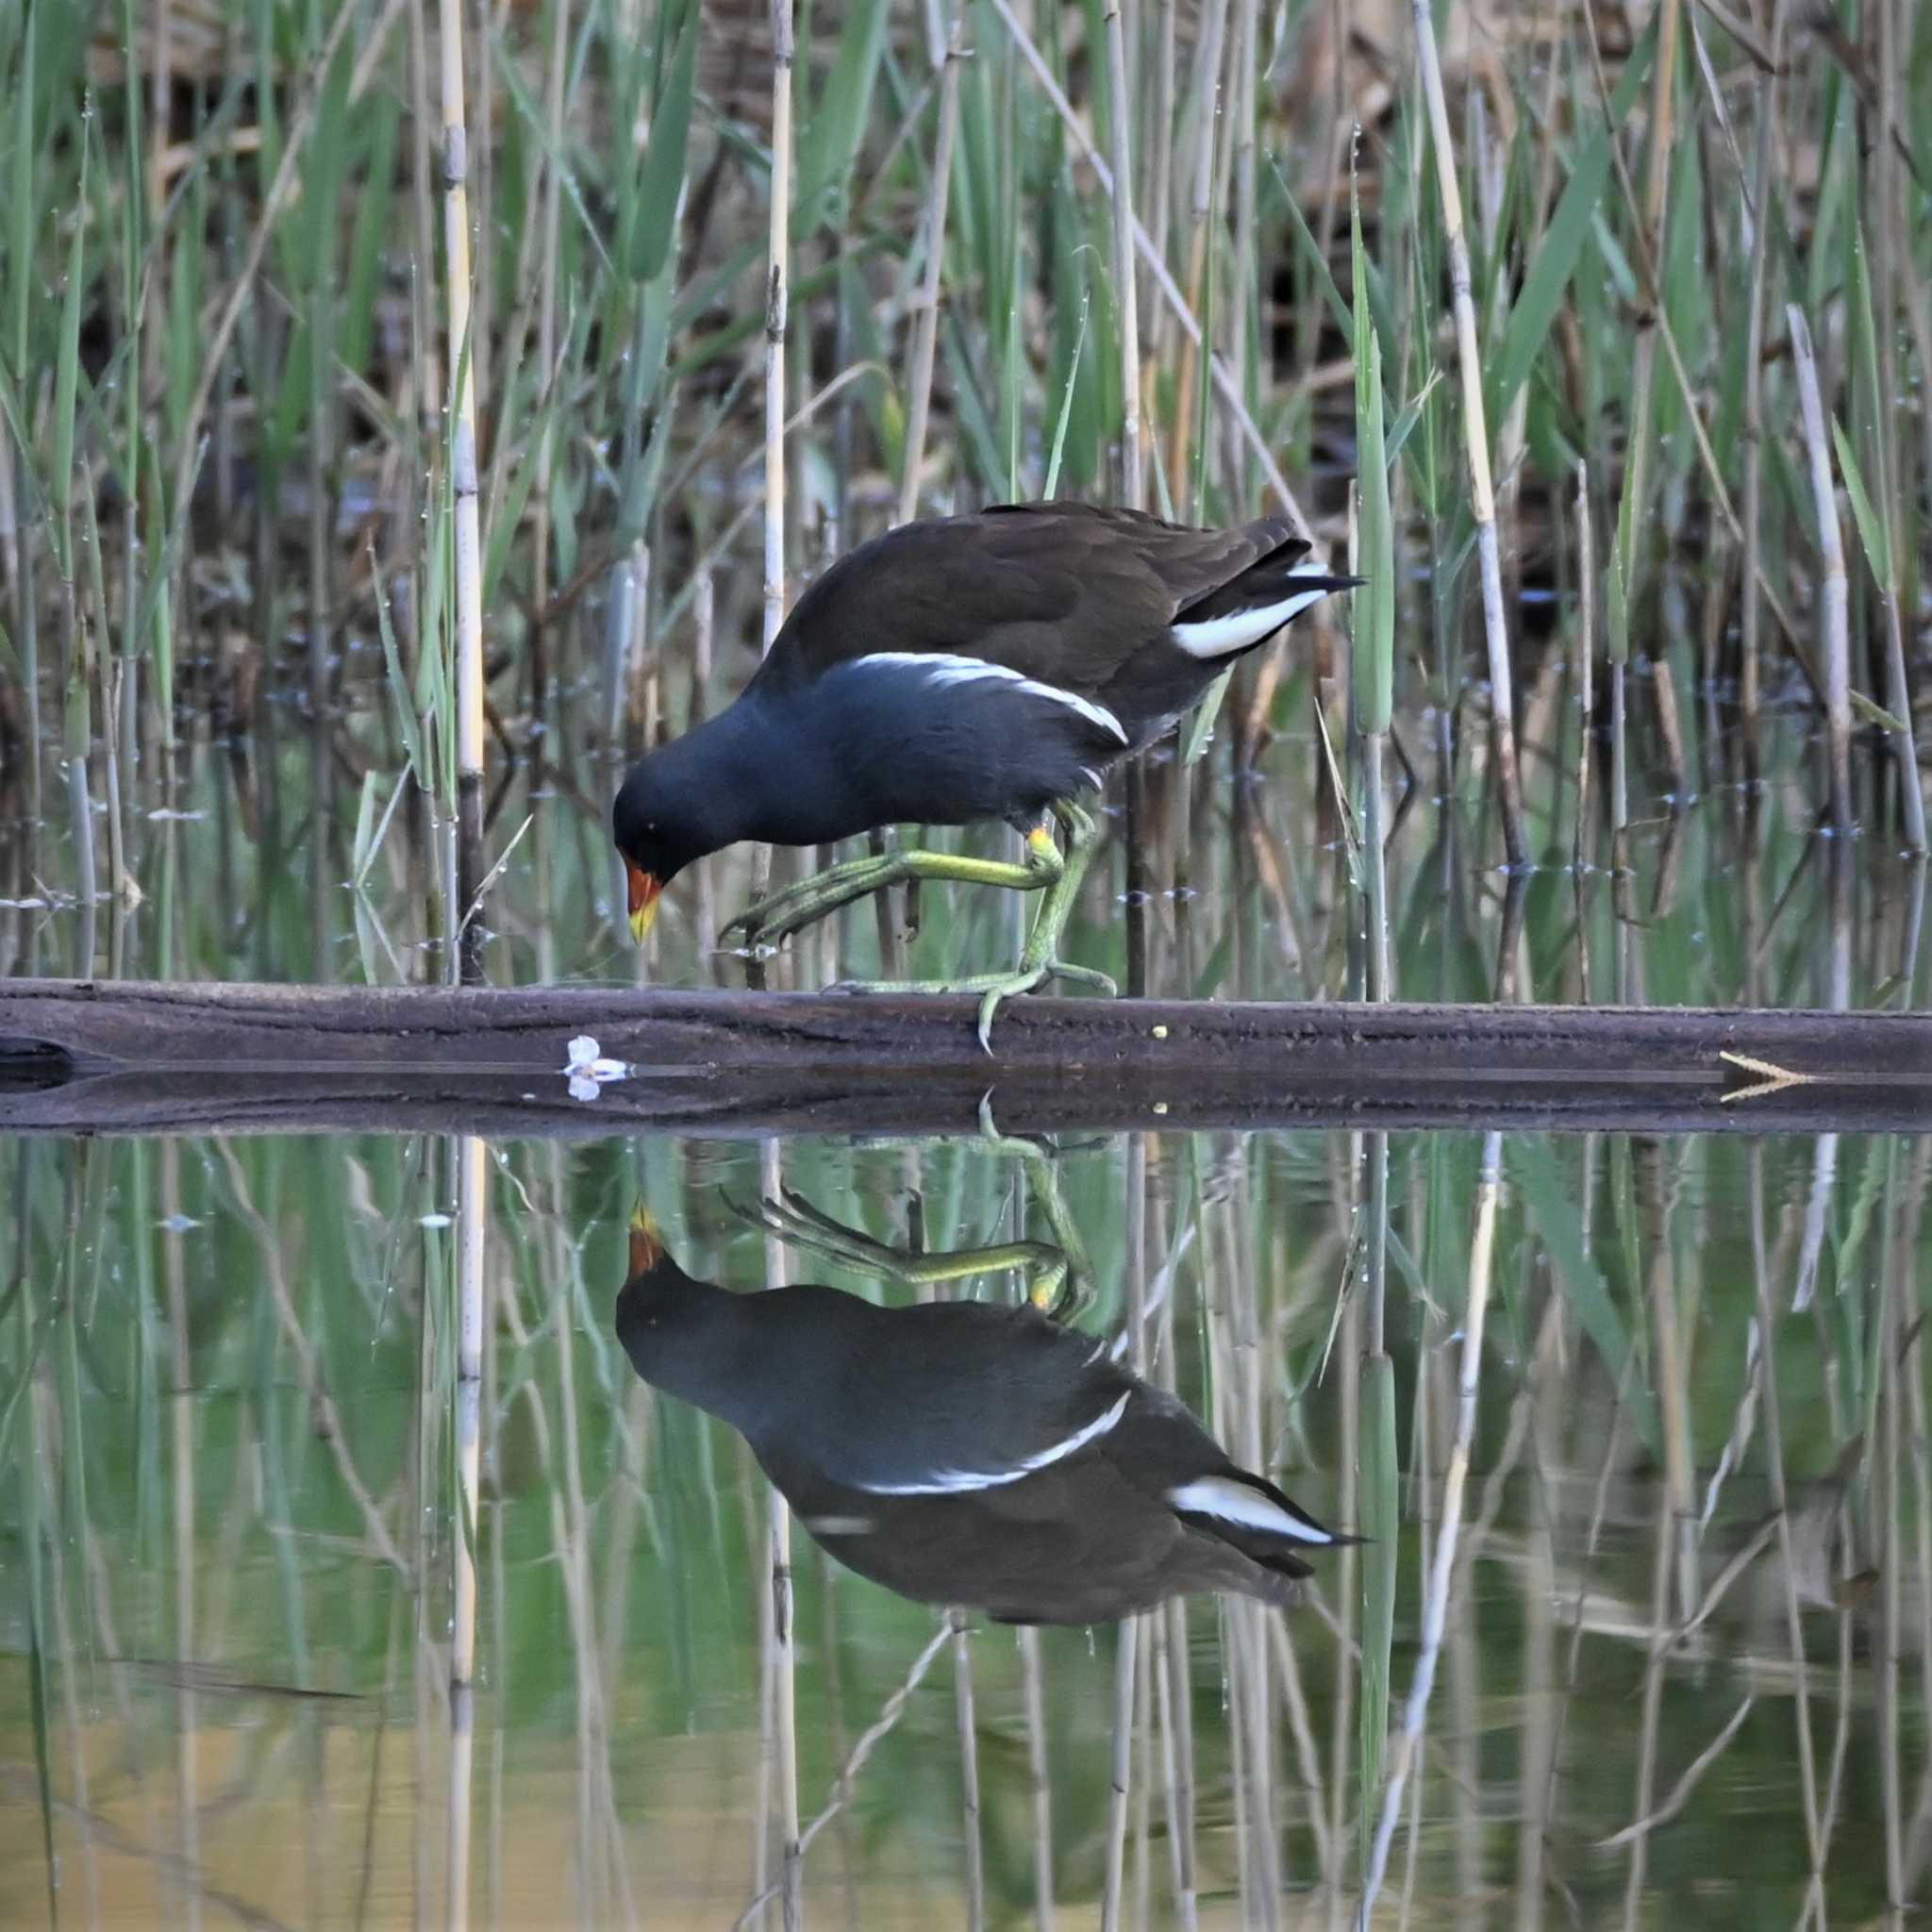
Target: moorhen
{"points": [[968, 668], [964, 1452]]}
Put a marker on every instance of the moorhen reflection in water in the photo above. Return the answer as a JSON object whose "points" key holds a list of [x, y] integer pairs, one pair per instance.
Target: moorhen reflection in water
{"points": [[966, 1453]]}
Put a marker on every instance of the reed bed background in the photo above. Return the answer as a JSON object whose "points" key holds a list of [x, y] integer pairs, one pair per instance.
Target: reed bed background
{"points": [[1597, 336], [1655, 275]]}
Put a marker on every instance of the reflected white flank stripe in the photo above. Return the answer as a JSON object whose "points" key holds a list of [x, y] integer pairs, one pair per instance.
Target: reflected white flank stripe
{"points": [[954, 1482], [1223, 1498]]}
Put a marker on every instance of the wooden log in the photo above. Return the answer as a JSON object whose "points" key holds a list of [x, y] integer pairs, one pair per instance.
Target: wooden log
{"points": [[123, 1056]]}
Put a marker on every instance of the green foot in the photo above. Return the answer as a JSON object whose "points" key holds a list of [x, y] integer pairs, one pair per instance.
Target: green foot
{"points": [[1045, 868], [782, 913], [993, 987]]}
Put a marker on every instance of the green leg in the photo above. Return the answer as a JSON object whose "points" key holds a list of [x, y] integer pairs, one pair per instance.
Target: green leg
{"points": [[786, 912], [1040, 959]]}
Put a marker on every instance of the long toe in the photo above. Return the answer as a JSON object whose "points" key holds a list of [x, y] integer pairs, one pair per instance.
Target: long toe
{"points": [[1094, 981], [770, 920], [763, 915], [756, 920], [990, 1000]]}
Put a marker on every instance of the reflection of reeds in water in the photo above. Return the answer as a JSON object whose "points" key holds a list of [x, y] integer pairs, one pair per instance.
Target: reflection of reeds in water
{"points": [[469, 1160], [610, 1604]]}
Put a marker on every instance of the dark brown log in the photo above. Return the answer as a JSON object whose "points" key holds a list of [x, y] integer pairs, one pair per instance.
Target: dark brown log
{"points": [[82, 1057]]}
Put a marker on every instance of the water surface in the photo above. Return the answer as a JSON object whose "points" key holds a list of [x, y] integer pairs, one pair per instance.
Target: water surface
{"points": [[233, 1545]]}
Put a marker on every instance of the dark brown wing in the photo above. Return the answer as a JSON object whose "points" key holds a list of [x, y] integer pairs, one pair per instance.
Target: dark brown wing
{"points": [[1063, 592]]}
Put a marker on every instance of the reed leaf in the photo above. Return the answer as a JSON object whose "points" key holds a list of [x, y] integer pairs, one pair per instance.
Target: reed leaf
{"points": [[651, 210], [1374, 602]]}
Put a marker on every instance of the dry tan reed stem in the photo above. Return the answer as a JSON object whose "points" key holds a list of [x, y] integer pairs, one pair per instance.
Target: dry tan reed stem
{"points": [[188, 455], [881, 1727], [1754, 400], [321, 1403], [426, 374], [1670, 1365], [1180, 1850], [778, 298], [182, 1402], [1205, 119], [1034, 1690], [784, 1658], [777, 295], [1345, 1622], [932, 283], [462, 432], [1126, 295], [1121, 1782], [963, 1706], [1585, 679], [785, 1711], [1157, 194], [550, 218], [1656, 180], [1643, 1800], [472, 1161], [1890, 256], [1647, 267], [1375, 748], [1247, 301], [1917, 1438], [1775, 1483], [1475, 439], [1224, 378], [1897, 1304], [1454, 1488], [1833, 599]]}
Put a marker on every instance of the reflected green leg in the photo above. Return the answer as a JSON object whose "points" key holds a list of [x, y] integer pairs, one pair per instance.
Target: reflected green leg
{"points": [[799, 1225], [789, 910], [1077, 1273], [1040, 959], [1058, 1275]]}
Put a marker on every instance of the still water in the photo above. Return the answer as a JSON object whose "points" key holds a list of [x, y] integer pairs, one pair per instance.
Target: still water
{"points": [[258, 1517]]}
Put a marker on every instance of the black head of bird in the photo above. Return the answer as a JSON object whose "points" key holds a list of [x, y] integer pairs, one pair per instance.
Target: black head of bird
{"points": [[967, 1452], [957, 671], [674, 806]]}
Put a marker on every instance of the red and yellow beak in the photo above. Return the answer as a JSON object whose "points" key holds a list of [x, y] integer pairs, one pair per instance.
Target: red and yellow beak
{"points": [[644, 891], [646, 1241]]}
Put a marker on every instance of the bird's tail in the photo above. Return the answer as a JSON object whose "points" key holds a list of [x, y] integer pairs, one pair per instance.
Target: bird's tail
{"points": [[1253, 604], [1262, 1522]]}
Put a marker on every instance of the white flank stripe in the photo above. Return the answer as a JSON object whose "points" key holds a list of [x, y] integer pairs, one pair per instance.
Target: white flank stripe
{"points": [[838, 1525], [1215, 637], [1232, 1502], [943, 668], [954, 1482]]}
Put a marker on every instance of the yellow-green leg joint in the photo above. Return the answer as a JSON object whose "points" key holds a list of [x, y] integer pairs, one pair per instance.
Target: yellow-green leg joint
{"points": [[796, 907], [1054, 871]]}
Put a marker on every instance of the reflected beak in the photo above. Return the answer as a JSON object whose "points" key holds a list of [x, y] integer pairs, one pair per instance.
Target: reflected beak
{"points": [[644, 891], [646, 1241]]}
